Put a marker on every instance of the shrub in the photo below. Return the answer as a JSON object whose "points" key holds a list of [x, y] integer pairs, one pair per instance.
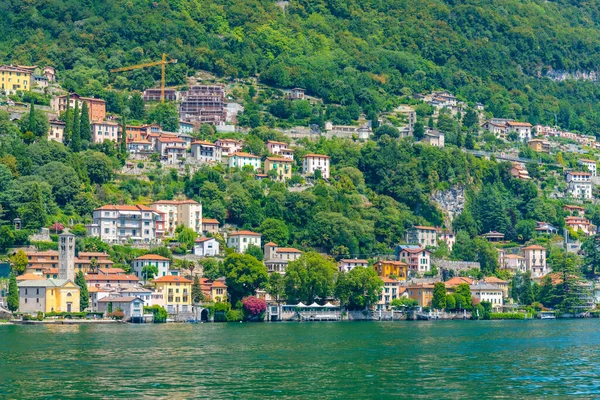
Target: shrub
{"points": [[160, 314], [513, 315], [118, 315], [254, 306], [234, 315]]}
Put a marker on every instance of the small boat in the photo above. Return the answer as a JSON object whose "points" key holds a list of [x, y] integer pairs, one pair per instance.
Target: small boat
{"points": [[547, 315]]}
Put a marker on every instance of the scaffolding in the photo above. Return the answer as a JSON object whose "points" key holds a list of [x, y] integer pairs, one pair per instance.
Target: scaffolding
{"points": [[204, 104]]}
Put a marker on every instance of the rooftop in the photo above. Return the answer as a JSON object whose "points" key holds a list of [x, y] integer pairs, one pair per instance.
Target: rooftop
{"points": [[172, 279]]}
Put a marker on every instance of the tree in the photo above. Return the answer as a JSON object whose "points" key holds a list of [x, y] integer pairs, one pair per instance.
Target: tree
{"points": [[12, 298], [419, 131], [149, 271], [37, 120], [275, 287], [7, 238], [360, 288], [439, 296], [99, 167], [166, 115], [68, 118], [470, 119], [187, 236], [196, 290], [255, 252], [136, 106], [404, 302], [244, 274], [465, 291], [389, 130], [310, 277], [469, 141], [19, 262], [274, 230], [212, 269], [84, 295], [33, 213], [254, 306], [75, 143], [32, 122], [450, 302], [85, 128], [63, 179]]}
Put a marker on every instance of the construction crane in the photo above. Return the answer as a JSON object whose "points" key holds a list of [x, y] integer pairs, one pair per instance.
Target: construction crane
{"points": [[162, 63]]}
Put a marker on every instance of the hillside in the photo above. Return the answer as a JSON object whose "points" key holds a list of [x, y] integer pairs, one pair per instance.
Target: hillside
{"points": [[351, 51]]}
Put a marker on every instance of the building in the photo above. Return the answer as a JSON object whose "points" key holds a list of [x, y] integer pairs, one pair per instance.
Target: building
{"points": [[186, 127], [96, 107], [295, 94], [589, 164], [447, 237], [213, 290], [417, 258], [316, 162], [203, 104], [57, 130], [132, 307], [577, 211], [111, 281], [580, 224], [206, 247], [519, 171], [15, 79], [140, 292], [434, 138], [522, 129], [120, 223], [281, 167], [229, 146], [154, 94], [47, 295], [487, 292], [422, 235], [501, 283], [347, 265], [391, 290], [105, 130], [276, 258], [391, 269], [162, 264], [177, 292], [172, 149], [206, 152], [579, 184], [535, 260], [498, 129], [240, 160], [280, 149], [545, 228], [240, 240], [422, 293], [493, 236], [139, 147], [180, 212], [210, 225], [49, 73], [539, 145]]}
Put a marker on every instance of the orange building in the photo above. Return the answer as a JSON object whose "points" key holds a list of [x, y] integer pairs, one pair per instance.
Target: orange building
{"points": [[387, 268]]}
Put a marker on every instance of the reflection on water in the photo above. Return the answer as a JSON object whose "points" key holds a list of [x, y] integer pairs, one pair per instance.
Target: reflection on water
{"points": [[486, 359]]}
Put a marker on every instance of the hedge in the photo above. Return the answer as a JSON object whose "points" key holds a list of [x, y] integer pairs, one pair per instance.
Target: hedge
{"points": [[507, 316]]}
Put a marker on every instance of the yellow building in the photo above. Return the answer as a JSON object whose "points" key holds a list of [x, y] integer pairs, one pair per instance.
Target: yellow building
{"points": [[47, 295], [281, 166], [422, 293], [177, 292], [386, 268], [13, 79]]}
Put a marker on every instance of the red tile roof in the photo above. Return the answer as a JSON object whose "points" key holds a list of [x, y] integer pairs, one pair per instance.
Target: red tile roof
{"points": [[316, 155], [242, 154], [111, 277], [152, 257], [172, 278], [210, 221], [247, 233]]}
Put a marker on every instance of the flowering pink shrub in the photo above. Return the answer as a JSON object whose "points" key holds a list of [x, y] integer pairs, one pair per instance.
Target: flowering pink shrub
{"points": [[254, 305], [57, 227]]}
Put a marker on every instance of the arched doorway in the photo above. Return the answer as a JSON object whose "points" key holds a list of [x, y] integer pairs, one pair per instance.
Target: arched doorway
{"points": [[204, 315]]}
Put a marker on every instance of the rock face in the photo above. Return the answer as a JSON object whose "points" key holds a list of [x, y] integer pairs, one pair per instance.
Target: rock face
{"points": [[451, 201]]}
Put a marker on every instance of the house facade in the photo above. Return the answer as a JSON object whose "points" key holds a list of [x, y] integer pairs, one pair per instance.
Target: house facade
{"points": [[579, 184], [417, 258], [281, 167], [210, 225], [177, 292], [206, 247], [389, 268], [162, 264], [206, 152], [314, 162], [120, 223], [96, 107], [240, 240], [15, 79], [276, 258], [48, 295], [487, 292], [180, 212], [347, 265], [422, 235], [57, 131], [240, 160], [535, 260], [105, 131], [589, 164]]}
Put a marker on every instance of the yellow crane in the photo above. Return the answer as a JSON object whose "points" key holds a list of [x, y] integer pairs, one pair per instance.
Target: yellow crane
{"points": [[162, 63]]}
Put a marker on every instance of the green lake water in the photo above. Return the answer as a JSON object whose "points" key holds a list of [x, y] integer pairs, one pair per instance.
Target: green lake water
{"points": [[441, 359]]}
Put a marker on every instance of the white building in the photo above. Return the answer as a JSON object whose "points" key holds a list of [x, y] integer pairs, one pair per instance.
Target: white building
{"points": [[229, 146], [314, 162], [579, 184], [240, 160], [434, 138], [347, 265], [186, 127], [422, 235], [172, 149], [535, 261], [163, 265], [206, 152], [105, 130], [240, 240], [180, 212], [523, 129], [280, 149], [57, 131], [206, 247], [121, 223], [513, 263], [590, 164], [276, 258], [392, 290], [488, 292]]}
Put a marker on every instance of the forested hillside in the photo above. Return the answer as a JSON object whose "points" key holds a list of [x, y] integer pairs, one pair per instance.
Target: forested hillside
{"points": [[345, 51]]}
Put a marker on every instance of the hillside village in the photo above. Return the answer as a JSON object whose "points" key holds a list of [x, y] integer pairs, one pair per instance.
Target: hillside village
{"points": [[186, 249]]}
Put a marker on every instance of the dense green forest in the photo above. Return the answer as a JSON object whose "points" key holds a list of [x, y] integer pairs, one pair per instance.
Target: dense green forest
{"points": [[349, 52]]}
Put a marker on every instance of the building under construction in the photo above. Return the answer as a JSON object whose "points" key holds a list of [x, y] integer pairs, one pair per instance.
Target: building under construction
{"points": [[154, 95], [203, 104]]}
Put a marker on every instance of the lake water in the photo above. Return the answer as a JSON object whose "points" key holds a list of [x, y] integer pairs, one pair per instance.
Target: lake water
{"points": [[441, 359]]}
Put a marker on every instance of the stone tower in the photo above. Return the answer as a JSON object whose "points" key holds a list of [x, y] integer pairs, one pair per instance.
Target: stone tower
{"points": [[66, 256]]}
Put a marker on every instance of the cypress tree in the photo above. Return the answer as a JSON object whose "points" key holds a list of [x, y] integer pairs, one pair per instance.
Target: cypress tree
{"points": [[32, 124], [13, 293], [196, 290], [76, 133], [68, 122], [84, 295], [85, 129], [123, 136]]}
